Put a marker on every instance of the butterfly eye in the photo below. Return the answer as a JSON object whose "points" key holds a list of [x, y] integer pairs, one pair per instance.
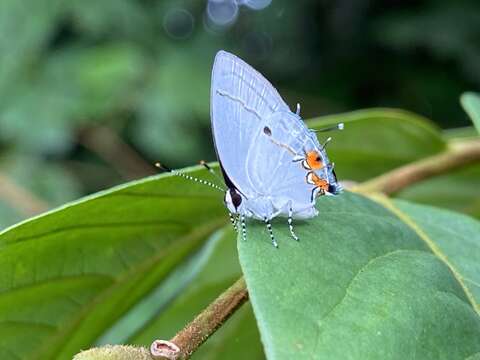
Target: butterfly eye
{"points": [[236, 198]]}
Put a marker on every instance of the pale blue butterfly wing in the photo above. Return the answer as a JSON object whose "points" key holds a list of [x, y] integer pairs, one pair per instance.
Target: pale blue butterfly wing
{"points": [[241, 98], [270, 160], [243, 105]]}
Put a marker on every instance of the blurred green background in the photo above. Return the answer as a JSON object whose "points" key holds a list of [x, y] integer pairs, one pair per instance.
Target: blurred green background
{"points": [[93, 92]]}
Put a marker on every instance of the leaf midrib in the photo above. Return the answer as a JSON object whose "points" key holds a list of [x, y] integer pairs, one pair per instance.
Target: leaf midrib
{"points": [[93, 226], [57, 279], [389, 205], [85, 310]]}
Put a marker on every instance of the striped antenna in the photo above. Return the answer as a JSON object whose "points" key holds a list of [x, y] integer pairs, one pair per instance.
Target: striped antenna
{"points": [[326, 143], [210, 170], [339, 126], [188, 177], [298, 109]]}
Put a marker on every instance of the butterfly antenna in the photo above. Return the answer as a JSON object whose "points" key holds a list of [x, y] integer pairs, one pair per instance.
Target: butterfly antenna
{"points": [[326, 143], [188, 177], [211, 171], [339, 126]]}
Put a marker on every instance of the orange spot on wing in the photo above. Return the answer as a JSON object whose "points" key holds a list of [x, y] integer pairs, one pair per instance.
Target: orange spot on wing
{"points": [[316, 180], [314, 160]]}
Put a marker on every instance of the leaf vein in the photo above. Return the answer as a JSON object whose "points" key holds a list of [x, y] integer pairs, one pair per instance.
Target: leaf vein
{"points": [[431, 244], [54, 280], [355, 276], [92, 226]]}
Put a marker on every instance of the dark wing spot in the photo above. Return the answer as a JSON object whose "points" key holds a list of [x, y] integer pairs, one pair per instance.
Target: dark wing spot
{"points": [[267, 131]]}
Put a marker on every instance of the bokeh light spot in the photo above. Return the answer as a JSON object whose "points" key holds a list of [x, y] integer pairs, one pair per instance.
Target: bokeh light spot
{"points": [[222, 12], [256, 4], [178, 23]]}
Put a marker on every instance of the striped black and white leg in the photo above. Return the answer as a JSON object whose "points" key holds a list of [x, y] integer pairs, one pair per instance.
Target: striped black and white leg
{"points": [[233, 220], [269, 228], [290, 225], [244, 227]]}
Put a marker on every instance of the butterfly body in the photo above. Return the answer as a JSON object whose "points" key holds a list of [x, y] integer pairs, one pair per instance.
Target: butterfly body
{"points": [[272, 163]]}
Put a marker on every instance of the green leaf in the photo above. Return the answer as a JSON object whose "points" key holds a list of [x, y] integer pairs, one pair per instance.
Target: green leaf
{"points": [[70, 274], [403, 137], [366, 283], [455, 239], [471, 104]]}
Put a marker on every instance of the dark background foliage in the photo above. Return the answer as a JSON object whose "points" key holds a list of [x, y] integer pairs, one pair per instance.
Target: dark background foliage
{"points": [[93, 92]]}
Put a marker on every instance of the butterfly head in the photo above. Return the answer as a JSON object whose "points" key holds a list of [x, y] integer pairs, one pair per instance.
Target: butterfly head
{"points": [[234, 201]]}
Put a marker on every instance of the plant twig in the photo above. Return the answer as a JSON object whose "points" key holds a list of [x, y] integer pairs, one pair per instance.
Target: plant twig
{"points": [[457, 155], [182, 345], [110, 147], [20, 198]]}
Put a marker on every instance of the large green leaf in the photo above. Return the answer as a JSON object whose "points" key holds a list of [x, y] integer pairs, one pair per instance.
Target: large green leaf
{"points": [[403, 137], [69, 274], [366, 282]]}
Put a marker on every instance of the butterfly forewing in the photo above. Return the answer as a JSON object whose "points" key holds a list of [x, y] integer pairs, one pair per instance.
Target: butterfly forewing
{"points": [[241, 101]]}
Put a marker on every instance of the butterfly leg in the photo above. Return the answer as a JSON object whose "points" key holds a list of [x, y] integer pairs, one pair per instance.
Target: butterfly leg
{"points": [[244, 227], [269, 228], [233, 220], [314, 193], [290, 225]]}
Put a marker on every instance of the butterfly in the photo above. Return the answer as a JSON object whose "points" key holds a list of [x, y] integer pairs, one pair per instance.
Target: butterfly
{"points": [[272, 164]]}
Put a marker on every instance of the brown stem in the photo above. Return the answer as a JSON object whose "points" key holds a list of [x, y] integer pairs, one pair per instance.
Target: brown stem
{"points": [[182, 345], [106, 143], [458, 154], [20, 198]]}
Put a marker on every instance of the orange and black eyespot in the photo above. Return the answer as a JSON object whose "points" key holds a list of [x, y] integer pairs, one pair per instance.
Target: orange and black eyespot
{"points": [[313, 161], [320, 183]]}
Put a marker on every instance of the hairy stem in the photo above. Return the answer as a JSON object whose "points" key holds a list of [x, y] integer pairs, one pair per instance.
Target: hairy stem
{"points": [[182, 345], [457, 155]]}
